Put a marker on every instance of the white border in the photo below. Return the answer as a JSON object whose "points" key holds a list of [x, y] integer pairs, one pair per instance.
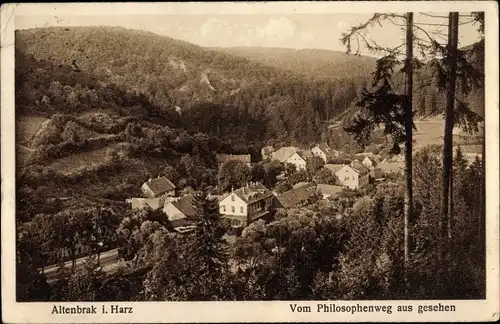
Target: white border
{"points": [[13, 312]]}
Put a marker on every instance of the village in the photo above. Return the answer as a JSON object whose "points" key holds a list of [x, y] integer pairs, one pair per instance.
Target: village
{"points": [[253, 201]]}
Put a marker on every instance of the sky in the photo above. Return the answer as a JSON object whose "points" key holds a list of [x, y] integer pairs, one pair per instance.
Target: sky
{"points": [[322, 31]]}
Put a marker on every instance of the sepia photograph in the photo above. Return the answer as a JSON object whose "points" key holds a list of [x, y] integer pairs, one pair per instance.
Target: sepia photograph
{"points": [[333, 160]]}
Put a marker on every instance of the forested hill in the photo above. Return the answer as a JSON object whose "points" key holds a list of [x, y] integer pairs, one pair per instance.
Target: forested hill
{"points": [[204, 84], [315, 63]]}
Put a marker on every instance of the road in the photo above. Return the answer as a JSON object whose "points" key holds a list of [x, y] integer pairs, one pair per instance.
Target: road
{"points": [[107, 260]]}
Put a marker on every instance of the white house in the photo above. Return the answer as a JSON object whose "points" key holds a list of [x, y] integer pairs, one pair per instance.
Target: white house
{"points": [[354, 175], [298, 160], [290, 154], [246, 204], [156, 193], [284, 153], [324, 151], [369, 163], [181, 212]]}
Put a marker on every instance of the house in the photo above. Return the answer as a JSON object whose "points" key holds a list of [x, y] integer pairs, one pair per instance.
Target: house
{"points": [[181, 212], [184, 207], [327, 190], [296, 197], [376, 174], [298, 159], [284, 153], [369, 163], [266, 152], [246, 204], [354, 175], [158, 187], [293, 155], [156, 192], [223, 158], [324, 151]]}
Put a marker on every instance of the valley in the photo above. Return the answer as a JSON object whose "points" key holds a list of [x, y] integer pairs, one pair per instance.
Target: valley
{"points": [[213, 173]]}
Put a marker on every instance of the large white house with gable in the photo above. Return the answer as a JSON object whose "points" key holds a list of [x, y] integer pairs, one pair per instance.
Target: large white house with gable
{"points": [[354, 175], [246, 204]]}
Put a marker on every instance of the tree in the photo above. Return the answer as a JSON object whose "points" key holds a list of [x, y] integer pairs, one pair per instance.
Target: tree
{"points": [[314, 164], [192, 266], [258, 172], [233, 175], [290, 169], [384, 106], [282, 187], [325, 176], [447, 201]]}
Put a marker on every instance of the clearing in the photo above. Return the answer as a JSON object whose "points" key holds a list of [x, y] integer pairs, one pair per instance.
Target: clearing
{"points": [[73, 163], [27, 127]]}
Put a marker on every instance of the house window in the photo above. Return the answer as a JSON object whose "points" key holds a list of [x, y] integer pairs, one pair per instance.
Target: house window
{"points": [[241, 210], [223, 208], [232, 209], [232, 198]]}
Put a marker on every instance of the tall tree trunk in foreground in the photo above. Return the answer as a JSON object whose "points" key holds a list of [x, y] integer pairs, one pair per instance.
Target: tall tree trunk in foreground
{"points": [[446, 197], [409, 136]]}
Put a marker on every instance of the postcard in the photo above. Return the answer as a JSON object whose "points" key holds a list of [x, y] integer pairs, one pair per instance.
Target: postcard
{"points": [[250, 162]]}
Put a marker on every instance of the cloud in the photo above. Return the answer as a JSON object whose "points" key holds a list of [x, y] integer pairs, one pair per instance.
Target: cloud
{"points": [[275, 32], [214, 27]]}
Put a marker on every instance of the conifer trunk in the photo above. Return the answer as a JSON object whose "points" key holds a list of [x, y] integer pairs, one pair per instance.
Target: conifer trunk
{"points": [[408, 203], [446, 197]]}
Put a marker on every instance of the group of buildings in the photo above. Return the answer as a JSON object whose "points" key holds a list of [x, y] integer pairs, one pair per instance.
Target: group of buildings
{"points": [[298, 157], [254, 201]]}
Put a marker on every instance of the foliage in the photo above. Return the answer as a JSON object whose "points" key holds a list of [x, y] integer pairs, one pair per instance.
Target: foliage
{"points": [[233, 174], [325, 176]]}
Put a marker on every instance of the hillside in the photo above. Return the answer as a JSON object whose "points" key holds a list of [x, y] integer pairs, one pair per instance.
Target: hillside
{"points": [[315, 63], [101, 110], [169, 73]]}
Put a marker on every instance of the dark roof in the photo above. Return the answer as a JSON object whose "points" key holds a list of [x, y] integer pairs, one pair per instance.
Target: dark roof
{"points": [[222, 158], [160, 185], [182, 222], [252, 192], [327, 189], [376, 173], [305, 154], [359, 167], [187, 205], [296, 196]]}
